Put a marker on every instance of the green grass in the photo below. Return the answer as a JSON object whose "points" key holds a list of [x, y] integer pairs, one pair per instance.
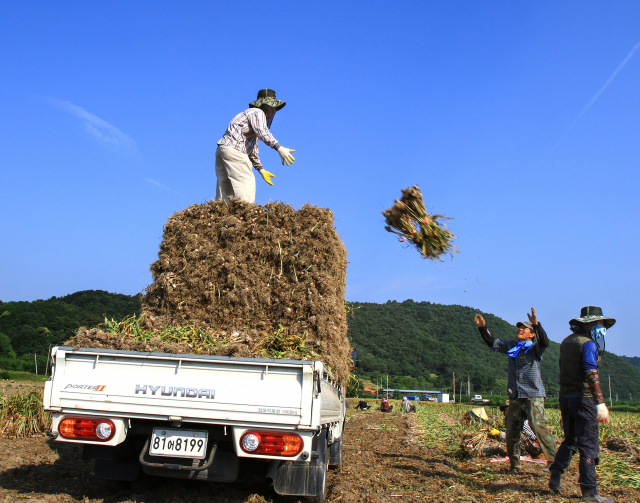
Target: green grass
{"points": [[14, 375]]}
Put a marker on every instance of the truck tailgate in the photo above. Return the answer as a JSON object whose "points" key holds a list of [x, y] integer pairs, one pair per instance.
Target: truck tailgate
{"points": [[190, 387]]}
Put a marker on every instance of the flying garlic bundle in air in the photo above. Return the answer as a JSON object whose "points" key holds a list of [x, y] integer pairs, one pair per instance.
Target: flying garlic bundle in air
{"points": [[408, 218]]}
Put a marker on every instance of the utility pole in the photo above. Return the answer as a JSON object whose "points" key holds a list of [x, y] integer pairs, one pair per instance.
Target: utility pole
{"points": [[454, 385], [610, 402], [46, 372], [387, 386], [36, 362], [468, 385], [461, 381], [616, 396]]}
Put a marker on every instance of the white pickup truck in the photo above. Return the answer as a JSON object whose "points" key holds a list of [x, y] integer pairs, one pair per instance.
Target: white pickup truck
{"points": [[196, 417]]}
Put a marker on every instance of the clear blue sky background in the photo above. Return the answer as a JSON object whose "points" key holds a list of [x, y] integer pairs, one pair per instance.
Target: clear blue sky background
{"points": [[518, 119]]}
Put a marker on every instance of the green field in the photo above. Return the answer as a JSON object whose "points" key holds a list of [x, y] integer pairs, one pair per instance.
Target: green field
{"points": [[14, 375]]}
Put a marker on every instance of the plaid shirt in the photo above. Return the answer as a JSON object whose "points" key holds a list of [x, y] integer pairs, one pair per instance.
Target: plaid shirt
{"points": [[243, 133], [524, 380], [528, 432]]}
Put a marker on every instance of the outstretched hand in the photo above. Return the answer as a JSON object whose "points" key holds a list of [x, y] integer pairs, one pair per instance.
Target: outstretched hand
{"points": [[267, 176], [533, 319], [480, 321], [285, 155]]}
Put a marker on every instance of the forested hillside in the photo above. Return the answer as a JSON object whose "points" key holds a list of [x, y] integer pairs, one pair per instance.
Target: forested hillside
{"points": [[633, 360], [420, 345], [30, 327]]}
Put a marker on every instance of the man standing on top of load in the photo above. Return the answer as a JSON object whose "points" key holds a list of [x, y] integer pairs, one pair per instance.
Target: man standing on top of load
{"points": [[525, 388], [238, 149], [581, 401]]}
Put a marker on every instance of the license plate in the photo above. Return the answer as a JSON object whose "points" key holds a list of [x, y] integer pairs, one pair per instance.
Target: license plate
{"points": [[178, 443]]}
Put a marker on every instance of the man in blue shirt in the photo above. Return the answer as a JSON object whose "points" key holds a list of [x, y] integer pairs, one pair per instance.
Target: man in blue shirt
{"points": [[525, 389], [581, 401]]}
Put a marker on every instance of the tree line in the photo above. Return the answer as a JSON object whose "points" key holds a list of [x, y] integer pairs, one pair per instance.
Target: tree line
{"points": [[28, 328], [420, 345]]}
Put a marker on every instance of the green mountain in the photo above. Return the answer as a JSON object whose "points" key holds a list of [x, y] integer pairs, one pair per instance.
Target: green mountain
{"points": [[30, 327], [633, 360], [421, 345]]}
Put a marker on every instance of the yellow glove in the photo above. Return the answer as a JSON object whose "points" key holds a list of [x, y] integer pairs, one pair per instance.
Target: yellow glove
{"points": [[285, 155], [494, 432], [267, 176]]}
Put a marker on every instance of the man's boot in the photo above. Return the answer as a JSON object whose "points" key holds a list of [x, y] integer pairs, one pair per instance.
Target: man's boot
{"points": [[555, 481], [591, 494]]}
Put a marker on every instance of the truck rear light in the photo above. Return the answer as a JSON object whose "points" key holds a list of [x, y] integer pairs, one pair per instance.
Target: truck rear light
{"points": [[87, 428], [271, 443]]}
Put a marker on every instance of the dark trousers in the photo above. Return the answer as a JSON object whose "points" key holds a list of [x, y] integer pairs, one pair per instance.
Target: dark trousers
{"points": [[580, 434]]}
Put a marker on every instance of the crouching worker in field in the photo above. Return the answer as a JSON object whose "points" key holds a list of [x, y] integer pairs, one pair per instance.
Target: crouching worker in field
{"points": [[384, 405], [525, 388], [581, 401], [407, 406], [362, 405]]}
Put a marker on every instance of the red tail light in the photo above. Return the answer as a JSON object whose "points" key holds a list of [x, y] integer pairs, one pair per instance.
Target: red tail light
{"points": [[271, 443], [87, 428]]}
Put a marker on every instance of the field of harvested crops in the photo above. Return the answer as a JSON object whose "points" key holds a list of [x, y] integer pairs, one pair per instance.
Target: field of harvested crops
{"points": [[387, 457], [618, 472]]}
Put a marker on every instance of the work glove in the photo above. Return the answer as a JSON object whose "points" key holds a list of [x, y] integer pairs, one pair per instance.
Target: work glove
{"points": [[285, 155], [603, 413], [267, 176]]}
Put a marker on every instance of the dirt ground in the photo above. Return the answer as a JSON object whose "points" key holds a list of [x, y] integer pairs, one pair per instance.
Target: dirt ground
{"points": [[383, 461]]}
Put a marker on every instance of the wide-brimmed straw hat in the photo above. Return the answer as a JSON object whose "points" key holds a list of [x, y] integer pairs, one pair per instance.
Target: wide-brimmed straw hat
{"points": [[593, 313], [267, 97]]}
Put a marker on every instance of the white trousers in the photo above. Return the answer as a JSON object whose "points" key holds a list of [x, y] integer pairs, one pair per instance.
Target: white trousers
{"points": [[234, 174]]}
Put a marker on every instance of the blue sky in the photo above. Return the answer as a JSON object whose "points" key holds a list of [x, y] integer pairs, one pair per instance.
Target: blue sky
{"points": [[518, 119]]}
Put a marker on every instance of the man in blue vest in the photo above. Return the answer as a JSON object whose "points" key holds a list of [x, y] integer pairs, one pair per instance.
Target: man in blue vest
{"points": [[581, 401], [525, 389]]}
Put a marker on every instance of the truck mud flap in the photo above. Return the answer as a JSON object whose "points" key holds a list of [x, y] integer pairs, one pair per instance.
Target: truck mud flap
{"points": [[118, 462], [335, 454], [219, 466], [302, 478], [125, 469]]}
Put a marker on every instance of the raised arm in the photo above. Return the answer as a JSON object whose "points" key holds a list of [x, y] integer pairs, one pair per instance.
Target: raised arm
{"points": [[484, 331], [543, 339]]}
